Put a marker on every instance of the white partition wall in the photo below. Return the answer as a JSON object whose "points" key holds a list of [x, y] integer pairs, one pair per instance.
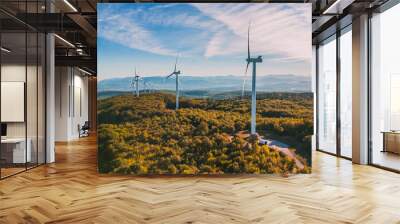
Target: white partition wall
{"points": [[71, 102]]}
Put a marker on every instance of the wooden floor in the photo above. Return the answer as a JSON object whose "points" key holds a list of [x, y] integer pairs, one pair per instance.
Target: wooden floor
{"points": [[71, 191], [386, 159]]}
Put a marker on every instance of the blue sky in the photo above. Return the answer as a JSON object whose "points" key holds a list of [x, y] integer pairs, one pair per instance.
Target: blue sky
{"points": [[211, 39]]}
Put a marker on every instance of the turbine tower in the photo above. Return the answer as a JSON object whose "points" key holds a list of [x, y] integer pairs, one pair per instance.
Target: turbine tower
{"points": [[135, 83], [176, 73], [254, 61]]}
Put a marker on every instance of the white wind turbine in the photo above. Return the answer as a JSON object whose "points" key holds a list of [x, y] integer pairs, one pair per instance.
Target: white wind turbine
{"points": [[135, 83], [147, 86], [176, 73], [253, 82]]}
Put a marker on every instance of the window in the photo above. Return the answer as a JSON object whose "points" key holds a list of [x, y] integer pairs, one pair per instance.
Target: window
{"points": [[385, 89], [346, 92], [327, 96]]}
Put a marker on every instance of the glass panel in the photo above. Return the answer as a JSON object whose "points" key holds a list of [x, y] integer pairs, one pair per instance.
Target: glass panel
{"points": [[13, 86], [346, 94], [385, 84], [327, 96], [23, 90], [32, 88], [31, 99], [41, 99]]}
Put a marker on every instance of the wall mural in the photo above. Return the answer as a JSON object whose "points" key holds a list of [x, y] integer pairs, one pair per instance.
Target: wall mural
{"points": [[204, 88]]}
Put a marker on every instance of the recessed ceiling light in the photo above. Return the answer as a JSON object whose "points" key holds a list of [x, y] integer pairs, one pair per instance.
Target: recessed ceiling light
{"points": [[84, 71], [70, 5], [337, 7], [64, 40], [5, 50]]}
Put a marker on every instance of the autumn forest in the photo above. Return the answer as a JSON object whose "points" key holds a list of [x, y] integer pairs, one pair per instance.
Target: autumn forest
{"points": [[146, 135]]}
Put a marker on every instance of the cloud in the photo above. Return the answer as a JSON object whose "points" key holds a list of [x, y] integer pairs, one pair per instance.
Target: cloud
{"points": [[181, 19], [118, 27], [276, 29]]}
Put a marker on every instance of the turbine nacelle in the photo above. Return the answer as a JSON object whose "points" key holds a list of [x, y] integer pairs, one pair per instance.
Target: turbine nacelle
{"points": [[174, 73], [256, 60]]}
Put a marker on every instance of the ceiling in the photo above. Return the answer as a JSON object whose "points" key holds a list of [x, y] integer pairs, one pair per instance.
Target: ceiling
{"points": [[75, 22]]}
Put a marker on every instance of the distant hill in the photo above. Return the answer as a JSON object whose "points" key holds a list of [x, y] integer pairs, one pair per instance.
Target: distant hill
{"points": [[107, 94], [218, 95], [215, 84]]}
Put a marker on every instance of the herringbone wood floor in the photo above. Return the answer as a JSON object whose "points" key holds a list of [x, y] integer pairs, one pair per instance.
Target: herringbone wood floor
{"points": [[71, 191]]}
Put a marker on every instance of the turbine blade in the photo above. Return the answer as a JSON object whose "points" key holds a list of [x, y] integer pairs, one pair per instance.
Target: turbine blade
{"points": [[244, 79], [176, 62], [170, 75], [248, 42]]}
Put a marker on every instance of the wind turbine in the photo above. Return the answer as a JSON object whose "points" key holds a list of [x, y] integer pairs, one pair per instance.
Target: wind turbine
{"points": [[135, 83], [254, 61], [176, 73], [147, 86]]}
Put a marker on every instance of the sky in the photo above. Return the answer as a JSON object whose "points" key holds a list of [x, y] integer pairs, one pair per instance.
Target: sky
{"points": [[210, 39]]}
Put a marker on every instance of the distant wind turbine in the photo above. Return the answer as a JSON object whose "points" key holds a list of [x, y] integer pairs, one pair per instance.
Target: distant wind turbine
{"points": [[135, 83], [176, 73], [147, 86], [253, 83]]}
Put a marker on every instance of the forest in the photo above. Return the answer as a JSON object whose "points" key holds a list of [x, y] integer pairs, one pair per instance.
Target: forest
{"points": [[146, 135]]}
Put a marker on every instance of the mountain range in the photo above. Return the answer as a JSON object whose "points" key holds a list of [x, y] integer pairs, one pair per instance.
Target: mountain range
{"points": [[267, 83]]}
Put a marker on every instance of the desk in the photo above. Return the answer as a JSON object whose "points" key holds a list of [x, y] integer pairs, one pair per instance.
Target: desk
{"points": [[391, 141], [13, 150]]}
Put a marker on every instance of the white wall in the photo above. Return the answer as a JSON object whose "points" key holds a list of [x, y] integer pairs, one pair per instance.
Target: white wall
{"points": [[71, 102], [33, 127], [14, 72], [62, 82]]}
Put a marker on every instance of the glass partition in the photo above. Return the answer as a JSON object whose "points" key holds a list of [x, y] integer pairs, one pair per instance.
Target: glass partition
{"points": [[346, 93], [32, 98], [327, 96], [22, 88], [41, 97], [13, 94]]}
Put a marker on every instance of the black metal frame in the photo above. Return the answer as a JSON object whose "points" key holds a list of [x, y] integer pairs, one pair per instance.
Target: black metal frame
{"points": [[369, 114], [338, 97], [37, 164]]}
